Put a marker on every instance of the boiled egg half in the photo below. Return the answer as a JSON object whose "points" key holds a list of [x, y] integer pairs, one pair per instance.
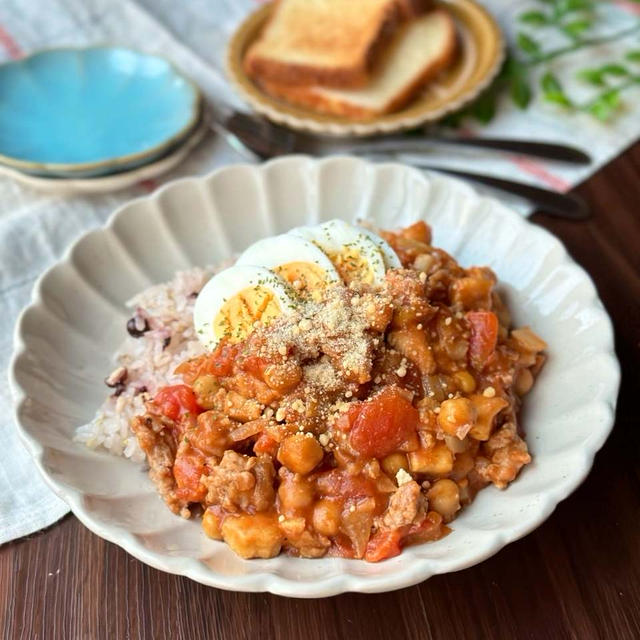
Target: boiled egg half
{"points": [[237, 300], [297, 261], [356, 253], [277, 275]]}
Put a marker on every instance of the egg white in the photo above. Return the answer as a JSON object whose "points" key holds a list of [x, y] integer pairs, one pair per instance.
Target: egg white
{"points": [[279, 251], [229, 283], [336, 235], [390, 257]]}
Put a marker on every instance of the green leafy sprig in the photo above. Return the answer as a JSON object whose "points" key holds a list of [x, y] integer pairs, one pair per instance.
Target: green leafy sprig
{"points": [[611, 79], [573, 19]]}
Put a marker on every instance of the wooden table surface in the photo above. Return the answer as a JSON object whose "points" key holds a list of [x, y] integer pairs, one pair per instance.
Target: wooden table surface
{"points": [[577, 576]]}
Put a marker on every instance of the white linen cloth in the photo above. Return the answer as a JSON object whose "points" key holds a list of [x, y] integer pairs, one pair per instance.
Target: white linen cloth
{"points": [[35, 228]]}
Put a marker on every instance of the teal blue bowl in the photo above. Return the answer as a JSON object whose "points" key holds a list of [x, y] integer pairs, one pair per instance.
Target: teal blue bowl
{"points": [[88, 112]]}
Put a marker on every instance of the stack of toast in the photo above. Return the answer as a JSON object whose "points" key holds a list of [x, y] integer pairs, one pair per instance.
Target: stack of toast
{"points": [[353, 58]]}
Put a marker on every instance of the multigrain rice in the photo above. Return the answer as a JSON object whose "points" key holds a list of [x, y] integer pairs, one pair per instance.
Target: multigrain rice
{"points": [[162, 321]]}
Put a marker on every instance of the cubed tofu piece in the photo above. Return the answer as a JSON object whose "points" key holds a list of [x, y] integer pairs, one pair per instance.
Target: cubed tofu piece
{"points": [[435, 461], [253, 536]]}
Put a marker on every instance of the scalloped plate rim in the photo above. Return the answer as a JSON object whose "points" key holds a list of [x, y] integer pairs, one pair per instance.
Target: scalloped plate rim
{"points": [[332, 585]]}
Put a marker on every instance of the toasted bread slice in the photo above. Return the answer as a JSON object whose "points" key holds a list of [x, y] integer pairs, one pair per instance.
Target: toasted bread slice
{"points": [[421, 49], [412, 8], [327, 42]]}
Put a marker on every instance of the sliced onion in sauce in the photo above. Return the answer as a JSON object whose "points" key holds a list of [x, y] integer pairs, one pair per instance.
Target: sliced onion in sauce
{"points": [[248, 429]]}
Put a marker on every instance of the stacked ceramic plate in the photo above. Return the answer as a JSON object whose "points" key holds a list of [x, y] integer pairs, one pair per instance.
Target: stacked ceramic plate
{"points": [[92, 119]]}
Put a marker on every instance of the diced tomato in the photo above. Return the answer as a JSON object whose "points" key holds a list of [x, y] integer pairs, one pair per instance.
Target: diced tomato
{"points": [[345, 420], [484, 336], [187, 470], [342, 547], [255, 365], [175, 401], [191, 370], [386, 544], [431, 528], [383, 545], [338, 482], [221, 360], [219, 363], [266, 444], [383, 423]]}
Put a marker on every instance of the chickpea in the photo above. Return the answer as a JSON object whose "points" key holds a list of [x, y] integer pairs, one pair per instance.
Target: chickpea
{"points": [[465, 381], [523, 382], [444, 497], [282, 377], [300, 453], [326, 517], [457, 416], [206, 387], [393, 463], [212, 524], [294, 493], [253, 536]]}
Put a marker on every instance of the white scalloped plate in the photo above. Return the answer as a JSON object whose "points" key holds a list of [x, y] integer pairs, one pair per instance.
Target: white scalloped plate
{"points": [[65, 338]]}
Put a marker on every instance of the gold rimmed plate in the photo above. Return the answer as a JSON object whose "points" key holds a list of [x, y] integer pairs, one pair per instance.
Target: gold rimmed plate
{"points": [[480, 54]]}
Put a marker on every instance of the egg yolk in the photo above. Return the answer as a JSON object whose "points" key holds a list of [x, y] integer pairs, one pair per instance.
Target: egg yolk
{"points": [[236, 318], [351, 265], [306, 278]]}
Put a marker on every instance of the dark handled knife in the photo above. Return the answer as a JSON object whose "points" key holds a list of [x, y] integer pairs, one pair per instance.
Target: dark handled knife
{"points": [[255, 136], [417, 144], [560, 205]]}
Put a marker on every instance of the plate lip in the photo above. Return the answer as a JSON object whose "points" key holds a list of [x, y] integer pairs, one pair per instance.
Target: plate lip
{"points": [[332, 585], [111, 182], [195, 109], [268, 106]]}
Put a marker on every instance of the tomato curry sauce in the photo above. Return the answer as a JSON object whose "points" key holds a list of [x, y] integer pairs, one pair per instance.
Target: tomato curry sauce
{"points": [[360, 424]]}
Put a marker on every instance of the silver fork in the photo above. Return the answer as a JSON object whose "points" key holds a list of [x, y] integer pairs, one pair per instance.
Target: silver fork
{"points": [[253, 137], [257, 138]]}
